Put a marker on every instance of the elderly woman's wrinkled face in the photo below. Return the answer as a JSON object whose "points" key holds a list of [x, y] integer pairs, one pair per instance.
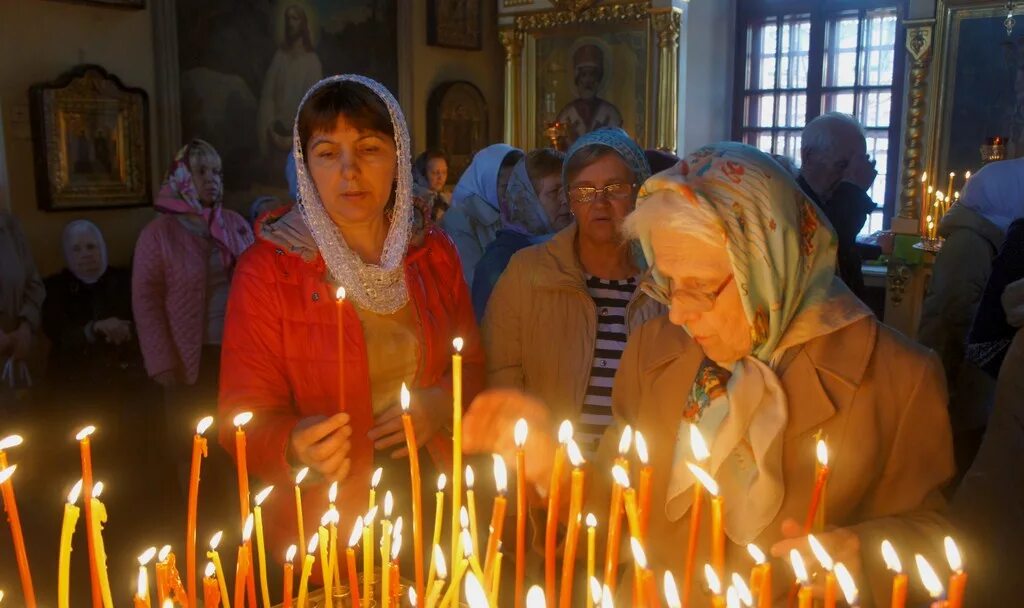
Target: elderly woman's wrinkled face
{"points": [[84, 254], [437, 174], [207, 178], [601, 196], [354, 171], [549, 192], [704, 296]]}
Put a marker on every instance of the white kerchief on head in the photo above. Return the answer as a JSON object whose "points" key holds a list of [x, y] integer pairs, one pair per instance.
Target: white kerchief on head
{"points": [[73, 230]]}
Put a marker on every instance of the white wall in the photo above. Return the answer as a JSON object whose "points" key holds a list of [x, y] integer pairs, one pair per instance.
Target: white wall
{"points": [[707, 73]]}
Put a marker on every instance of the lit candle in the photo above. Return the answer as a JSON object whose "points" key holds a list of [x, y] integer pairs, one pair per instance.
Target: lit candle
{"points": [[804, 596], [442, 574], [591, 553], [199, 451], [930, 580], [476, 597], [732, 598], [289, 577], [467, 550], [958, 578], [142, 587], [573, 531], [214, 557], [554, 498], [497, 517], [899, 579], [260, 551], [442, 480], [339, 296], [417, 499], [350, 561], [67, 530], [456, 441], [924, 198], [368, 556], [332, 528], [700, 451], [814, 520], [385, 550], [242, 563], [471, 505], [607, 601], [594, 597], [85, 447], [535, 598], [396, 547], [307, 568], [298, 506], [621, 478], [496, 580], [520, 433], [211, 589], [717, 522], [374, 482], [163, 577], [243, 472], [644, 483], [324, 539], [760, 577], [99, 514], [949, 186], [847, 585], [672, 598], [646, 593], [8, 442], [611, 550], [715, 586], [831, 588], [742, 590]]}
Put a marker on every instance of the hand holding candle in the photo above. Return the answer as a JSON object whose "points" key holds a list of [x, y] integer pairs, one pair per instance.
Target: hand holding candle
{"points": [[67, 530]]}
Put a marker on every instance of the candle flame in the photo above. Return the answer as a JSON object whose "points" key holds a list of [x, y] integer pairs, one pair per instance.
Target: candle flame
{"points": [[164, 552], [956, 564], [247, 529], [714, 584], [440, 566], [10, 441], [389, 504], [846, 584], [595, 590], [311, 547], [820, 553], [75, 491], [168, 603], [951, 174], [204, 425], [956, 195], [475, 595], [470, 477], [732, 598], [575, 456], [412, 597], [822, 451], [210, 570], [564, 432], [332, 492], [458, 343], [143, 583], [376, 477], [698, 446], [625, 440], [742, 589], [704, 478], [500, 474], [520, 432], [339, 294], [638, 553], [924, 177], [464, 517], [931, 189], [404, 398], [396, 547], [357, 530], [325, 519], [799, 569], [967, 176], [467, 543], [892, 559], [147, 556], [370, 515], [671, 591], [442, 481], [242, 419], [215, 540], [620, 475], [397, 529], [263, 495], [591, 520], [97, 489], [289, 555], [84, 433], [301, 475], [607, 601], [756, 553], [641, 447], [535, 598]]}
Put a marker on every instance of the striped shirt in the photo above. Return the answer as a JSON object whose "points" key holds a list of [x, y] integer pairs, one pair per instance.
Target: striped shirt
{"points": [[610, 298]]}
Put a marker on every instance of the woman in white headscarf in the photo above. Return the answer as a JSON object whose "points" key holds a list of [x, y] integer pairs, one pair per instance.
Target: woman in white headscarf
{"points": [[317, 403]]}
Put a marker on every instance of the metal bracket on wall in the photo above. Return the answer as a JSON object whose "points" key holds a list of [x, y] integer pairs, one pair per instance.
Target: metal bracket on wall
{"points": [[898, 276]]}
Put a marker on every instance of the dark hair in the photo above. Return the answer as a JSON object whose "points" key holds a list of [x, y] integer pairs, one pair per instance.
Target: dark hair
{"points": [[359, 105], [585, 157], [543, 162], [431, 153]]}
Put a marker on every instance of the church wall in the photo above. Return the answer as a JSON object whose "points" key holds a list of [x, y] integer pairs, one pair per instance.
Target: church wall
{"points": [[707, 51]]}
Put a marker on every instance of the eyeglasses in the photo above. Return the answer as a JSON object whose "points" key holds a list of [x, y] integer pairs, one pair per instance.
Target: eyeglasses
{"points": [[705, 300], [584, 195]]}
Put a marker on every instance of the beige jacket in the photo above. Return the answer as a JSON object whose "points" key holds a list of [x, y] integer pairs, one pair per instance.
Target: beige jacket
{"points": [[540, 326], [878, 398]]}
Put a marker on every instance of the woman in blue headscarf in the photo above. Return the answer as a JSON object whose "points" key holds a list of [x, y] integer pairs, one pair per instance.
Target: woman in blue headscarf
{"points": [[580, 286]]}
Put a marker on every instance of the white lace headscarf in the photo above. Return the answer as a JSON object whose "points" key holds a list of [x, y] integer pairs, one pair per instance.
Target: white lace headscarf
{"points": [[376, 287]]}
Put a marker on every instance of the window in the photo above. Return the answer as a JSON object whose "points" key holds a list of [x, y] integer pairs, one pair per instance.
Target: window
{"points": [[802, 58]]}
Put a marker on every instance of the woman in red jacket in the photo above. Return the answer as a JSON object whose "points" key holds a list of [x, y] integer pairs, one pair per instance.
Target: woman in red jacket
{"points": [[405, 304]]}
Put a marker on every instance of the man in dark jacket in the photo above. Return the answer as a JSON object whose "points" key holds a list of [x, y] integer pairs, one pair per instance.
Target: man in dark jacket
{"points": [[836, 173]]}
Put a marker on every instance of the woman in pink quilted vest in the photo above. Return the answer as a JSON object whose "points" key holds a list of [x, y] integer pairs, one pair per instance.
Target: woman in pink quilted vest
{"points": [[181, 275]]}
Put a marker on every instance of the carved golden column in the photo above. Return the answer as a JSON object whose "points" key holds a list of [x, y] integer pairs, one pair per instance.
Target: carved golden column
{"points": [[512, 41], [666, 25], [919, 48]]}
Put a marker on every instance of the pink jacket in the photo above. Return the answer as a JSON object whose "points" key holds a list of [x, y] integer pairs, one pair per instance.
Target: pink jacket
{"points": [[169, 292]]}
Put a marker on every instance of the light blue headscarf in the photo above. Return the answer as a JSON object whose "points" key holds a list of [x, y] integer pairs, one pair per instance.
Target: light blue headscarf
{"points": [[619, 141], [996, 192], [481, 177]]}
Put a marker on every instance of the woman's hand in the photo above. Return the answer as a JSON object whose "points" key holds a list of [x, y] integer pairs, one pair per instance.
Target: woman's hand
{"points": [[430, 409], [489, 427], [842, 544], [323, 445], [21, 342], [113, 330]]}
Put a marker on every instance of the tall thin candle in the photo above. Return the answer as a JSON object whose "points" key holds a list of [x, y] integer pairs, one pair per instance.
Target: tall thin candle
{"points": [[700, 451], [456, 442], [470, 480], [573, 531], [350, 561], [642, 593], [339, 297], [211, 588], [643, 483], [717, 522], [368, 556], [497, 517], [958, 578], [804, 596], [323, 534], [199, 451], [715, 586], [298, 507], [243, 472], [831, 584], [442, 480], [214, 558], [847, 585], [307, 569], [520, 434], [99, 514], [142, 587], [924, 202], [242, 563], [760, 577], [374, 482], [417, 499], [554, 498], [385, 550], [260, 550], [442, 575], [814, 521], [163, 575], [67, 530], [85, 447], [288, 580], [591, 551], [611, 549], [899, 579]]}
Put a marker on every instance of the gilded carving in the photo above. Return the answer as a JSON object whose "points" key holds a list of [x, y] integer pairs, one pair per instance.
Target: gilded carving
{"points": [[596, 15], [918, 46]]}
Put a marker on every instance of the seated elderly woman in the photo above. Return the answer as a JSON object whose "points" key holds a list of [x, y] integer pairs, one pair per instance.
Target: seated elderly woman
{"points": [[763, 349]]}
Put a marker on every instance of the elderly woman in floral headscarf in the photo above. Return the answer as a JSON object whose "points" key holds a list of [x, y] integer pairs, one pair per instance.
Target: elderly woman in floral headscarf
{"points": [[764, 351]]}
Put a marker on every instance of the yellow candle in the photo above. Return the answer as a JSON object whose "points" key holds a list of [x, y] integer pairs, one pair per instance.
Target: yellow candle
{"points": [[441, 570], [325, 561], [417, 500], [453, 589], [374, 482], [554, 499], [385, 551], [260, 551], [211, 592], [214, 557], [307, 569], [591, 553], [471, 506], [572, 534], [611, 549], [240, 458], [640, 564], [760, 577], [717, 521], [800, 570], [67, 530], [368, 556], [496, 582], [497, 518], [456, 441], [438, 519], [142, 588], [298, 506], [99, 515]]}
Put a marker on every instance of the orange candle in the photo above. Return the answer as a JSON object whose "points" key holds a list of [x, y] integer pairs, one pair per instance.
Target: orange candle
{"points": [[831, 585], [813, 521], [520, 433], [899, 579], [611, 550], [289, 577], [847, 585], [457, 343], [85, 448], [163, 584], [141, 598], [350, 561], [760, 577], [931, 581], [717, 523], [199, 451], [573, 533], [11, 506], [804, 596], [700, 451], [958, 579], [497, 517], [340, 299], [211, 589], [417, 499], [242, 565], [641, 592], [554, 497], [644, 484], [243, 472], [742, 591]]}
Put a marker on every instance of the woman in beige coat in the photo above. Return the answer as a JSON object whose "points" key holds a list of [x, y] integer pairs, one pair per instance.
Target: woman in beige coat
{"points": [[762, 351], [580, 287]]}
